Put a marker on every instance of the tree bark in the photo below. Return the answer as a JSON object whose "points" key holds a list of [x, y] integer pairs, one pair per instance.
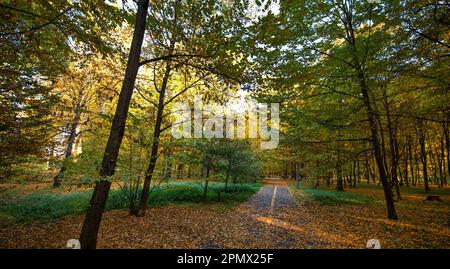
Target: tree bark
{"points": [[207, 168], [410, 157], [405, 163], [371, 115], [447, 143], [228, 174], [391, 213], [296, 174], [339, 179], [423, 154], [70, 142], [89, 232], [393, 144]]}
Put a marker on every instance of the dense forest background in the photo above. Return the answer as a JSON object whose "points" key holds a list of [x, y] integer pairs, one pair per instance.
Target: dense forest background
{"points": [[88, 88]]}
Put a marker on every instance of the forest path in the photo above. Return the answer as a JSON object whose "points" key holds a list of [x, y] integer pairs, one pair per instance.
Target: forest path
{"points": [[272, 199], [269, 211], [268, 219]]}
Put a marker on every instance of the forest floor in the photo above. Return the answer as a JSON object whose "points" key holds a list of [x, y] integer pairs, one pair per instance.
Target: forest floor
{"points": [[278, 216]]}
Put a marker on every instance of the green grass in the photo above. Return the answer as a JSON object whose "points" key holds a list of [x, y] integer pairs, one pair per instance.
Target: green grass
{"points": [[333, 197], [48, 204], [434, 190], [181, 192]]}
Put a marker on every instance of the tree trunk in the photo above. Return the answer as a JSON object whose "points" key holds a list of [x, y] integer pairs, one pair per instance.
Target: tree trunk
{"points": [[296, 174], [377, 149], [358, 173], [405, 163], [433, 161], [410, 157], [440, 161], [371, 115], [89, 232], [339, 179], [367, 171], [180, 171], [169, 163], [423, 154], [155, 143], [228, 175], [447, 143], [415, 171], [205, 192], [393, 145]]}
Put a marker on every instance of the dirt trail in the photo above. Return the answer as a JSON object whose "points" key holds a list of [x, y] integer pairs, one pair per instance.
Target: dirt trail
{"points": [[266, 214]]}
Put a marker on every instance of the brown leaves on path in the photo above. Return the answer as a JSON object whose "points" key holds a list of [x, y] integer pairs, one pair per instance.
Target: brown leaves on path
{"points": [[307, 225]]}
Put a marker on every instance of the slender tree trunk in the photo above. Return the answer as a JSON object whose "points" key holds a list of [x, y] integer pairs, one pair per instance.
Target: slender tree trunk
{"points": [[447, 143], [367, 171], [417, 169], [405, 163], [375, 173], [410, 157], [393, 145], [358, 172], [50, 157], [155, 143], [442, 172], [339, 179], [297, 175], [423, 154], [402, 179], [180, 171], [440, 158], [391, 213], [371, 173], [169, 163], [205, 191], [228, 175], [383, 146], [89, 232], [207, 168], [371, 115], [433, 162]]}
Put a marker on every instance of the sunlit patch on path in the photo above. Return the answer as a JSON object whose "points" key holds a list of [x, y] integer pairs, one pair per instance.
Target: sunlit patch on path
{"points": [[267, 209], [279, 223], [270, 213]]}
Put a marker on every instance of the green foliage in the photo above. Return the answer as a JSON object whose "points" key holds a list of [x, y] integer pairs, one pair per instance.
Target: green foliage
{"points": [[234, 160], [37, 41], [193, 193], [311, 56], [333, 197]]}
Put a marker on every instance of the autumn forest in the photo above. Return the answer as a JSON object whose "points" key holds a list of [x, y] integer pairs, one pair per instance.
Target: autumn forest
{"points": [[224, 124]]}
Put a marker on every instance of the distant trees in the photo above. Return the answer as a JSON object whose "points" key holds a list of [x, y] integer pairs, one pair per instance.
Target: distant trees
{"points": [[354, 88], [226, 160], [83, 93], [37, 41]]}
